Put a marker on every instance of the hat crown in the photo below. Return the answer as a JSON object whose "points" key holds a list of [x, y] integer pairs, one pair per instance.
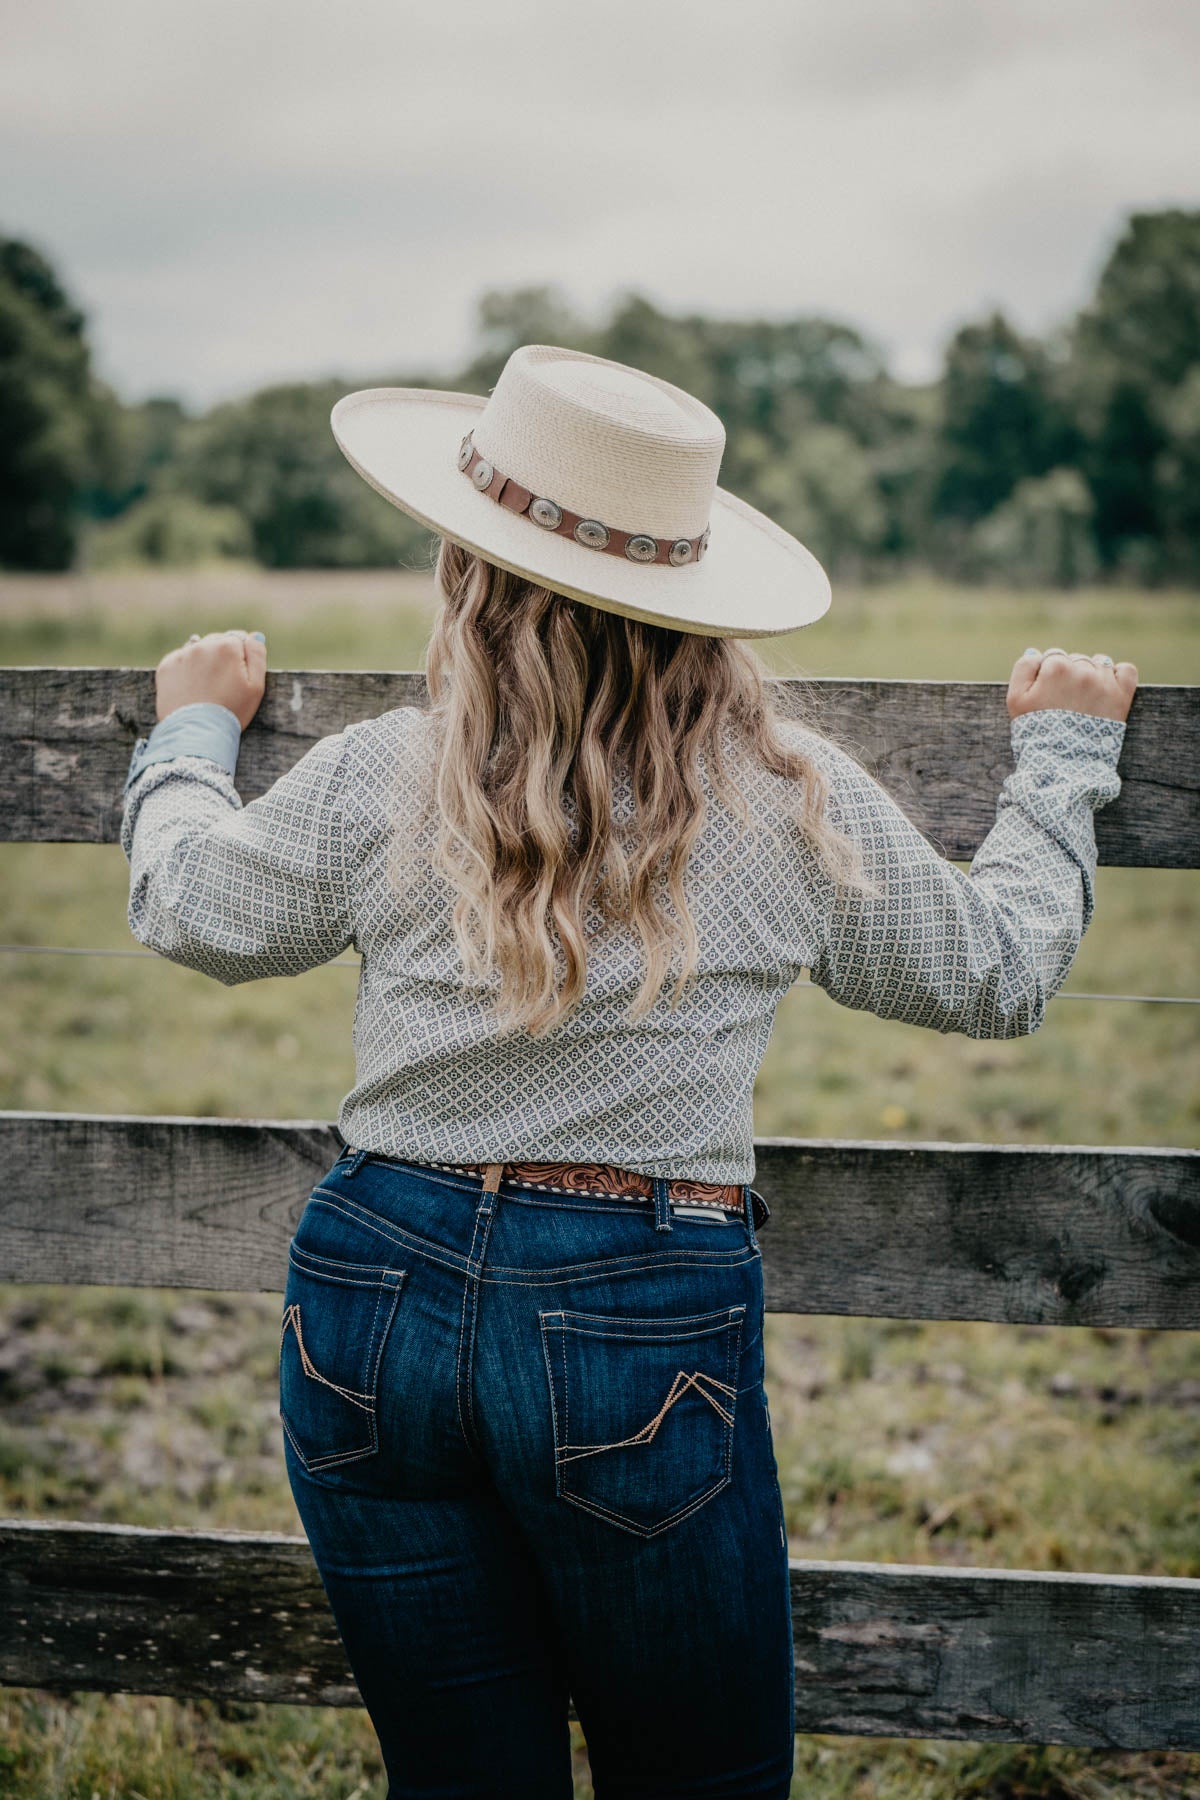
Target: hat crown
{"points": [[604, 440]]}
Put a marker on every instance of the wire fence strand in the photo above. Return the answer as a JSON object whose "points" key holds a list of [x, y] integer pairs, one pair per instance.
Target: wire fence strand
{"points": [[355, 962]]}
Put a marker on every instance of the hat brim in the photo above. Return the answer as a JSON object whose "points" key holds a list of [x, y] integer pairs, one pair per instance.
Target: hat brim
{"points": [[754, 580]]}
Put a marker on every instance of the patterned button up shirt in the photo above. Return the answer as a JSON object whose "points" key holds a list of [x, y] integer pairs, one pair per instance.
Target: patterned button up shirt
{"points": [[297, 876]]}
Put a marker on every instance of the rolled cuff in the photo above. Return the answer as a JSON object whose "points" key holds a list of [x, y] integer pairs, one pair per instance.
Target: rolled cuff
{"points": [[201, 728], [1065, 731]]}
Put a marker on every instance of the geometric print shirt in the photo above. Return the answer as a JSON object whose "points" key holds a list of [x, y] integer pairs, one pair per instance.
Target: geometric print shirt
{"points": [[296, 877]]}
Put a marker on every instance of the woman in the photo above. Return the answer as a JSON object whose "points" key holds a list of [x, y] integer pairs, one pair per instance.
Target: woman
{"points": [[521, 1361]]}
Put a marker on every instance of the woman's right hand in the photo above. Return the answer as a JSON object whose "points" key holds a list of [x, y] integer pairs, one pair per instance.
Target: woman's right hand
{"points": [[1071, 679]]}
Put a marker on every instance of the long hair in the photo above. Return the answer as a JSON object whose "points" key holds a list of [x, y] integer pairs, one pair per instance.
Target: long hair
{"points": [[539, 705]]}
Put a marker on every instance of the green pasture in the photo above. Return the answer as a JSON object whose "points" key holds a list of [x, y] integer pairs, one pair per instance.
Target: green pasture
{"points": [[1032, 1447], [343, 619]]}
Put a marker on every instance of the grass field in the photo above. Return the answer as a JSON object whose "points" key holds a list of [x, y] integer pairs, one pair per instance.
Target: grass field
{"points": [[1017, 1447]]}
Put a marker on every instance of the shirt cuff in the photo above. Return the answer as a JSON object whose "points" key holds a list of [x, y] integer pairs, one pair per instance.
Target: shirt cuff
{"points": [[201, 728], [1063, 729]]}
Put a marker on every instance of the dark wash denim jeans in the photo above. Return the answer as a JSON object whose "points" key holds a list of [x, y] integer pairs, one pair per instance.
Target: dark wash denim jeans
{"points": [[528, 1440]]}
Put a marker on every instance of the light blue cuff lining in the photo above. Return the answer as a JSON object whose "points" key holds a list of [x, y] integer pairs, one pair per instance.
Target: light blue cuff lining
{"points": [[201, 728]]}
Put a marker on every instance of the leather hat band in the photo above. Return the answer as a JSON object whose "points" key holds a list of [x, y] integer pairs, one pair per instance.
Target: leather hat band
{"points": [[634, 546]]}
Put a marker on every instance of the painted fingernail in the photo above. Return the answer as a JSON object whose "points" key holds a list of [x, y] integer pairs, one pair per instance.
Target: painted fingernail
{"points": [[261, 636], [1032, 651]]}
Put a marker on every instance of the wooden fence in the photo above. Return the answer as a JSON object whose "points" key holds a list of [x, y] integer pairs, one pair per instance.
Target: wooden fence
{"points": [[1067, 1235]]}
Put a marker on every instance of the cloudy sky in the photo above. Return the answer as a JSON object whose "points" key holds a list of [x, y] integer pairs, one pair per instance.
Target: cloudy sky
{"points": [[240, 191]]}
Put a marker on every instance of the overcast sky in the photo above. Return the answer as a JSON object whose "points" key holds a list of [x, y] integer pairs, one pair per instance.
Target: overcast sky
{"points": [[240, 191]]}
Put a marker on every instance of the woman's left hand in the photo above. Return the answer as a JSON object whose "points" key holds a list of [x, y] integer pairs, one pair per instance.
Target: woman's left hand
{"points": [[227, 666]]}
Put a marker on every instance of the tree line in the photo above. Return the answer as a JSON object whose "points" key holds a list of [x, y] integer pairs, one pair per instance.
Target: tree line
{"points": [[1047, 461]]}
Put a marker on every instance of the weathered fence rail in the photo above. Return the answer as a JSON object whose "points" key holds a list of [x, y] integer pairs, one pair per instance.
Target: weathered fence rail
{"points": [[896, 1650], [1043, 1235], [941, 747], [1064, 1234]]}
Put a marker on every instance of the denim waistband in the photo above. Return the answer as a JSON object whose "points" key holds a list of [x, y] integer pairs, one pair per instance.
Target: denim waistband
{"points": [[757, 1212]]}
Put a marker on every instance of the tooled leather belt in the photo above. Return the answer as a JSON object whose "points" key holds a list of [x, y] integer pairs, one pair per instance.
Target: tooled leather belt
{"points": [[599, 1178]]}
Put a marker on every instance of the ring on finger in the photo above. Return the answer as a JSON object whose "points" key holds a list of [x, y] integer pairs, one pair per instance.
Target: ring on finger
{"points": [[1055, 650]]}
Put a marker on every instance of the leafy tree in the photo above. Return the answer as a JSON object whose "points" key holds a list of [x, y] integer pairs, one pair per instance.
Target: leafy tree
{"points": [[900, 462], [1119, 458], [823, 490], [47, 412], [1177, 476], [781, 378], [170, 531], [1145, 317], [275, 459], [1041, 536], [135, 446], [1001, 420], [1133, 349]]}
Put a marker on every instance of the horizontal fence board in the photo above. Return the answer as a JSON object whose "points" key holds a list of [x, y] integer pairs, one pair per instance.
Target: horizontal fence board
{"points": [[890, 1650], [1045, 1235], [125, 1609], [942, 748], [1020, 1656], [1061, 1234]]}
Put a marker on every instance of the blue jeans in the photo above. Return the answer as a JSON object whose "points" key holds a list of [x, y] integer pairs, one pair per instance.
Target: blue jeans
{"points": [[528, 1440]]}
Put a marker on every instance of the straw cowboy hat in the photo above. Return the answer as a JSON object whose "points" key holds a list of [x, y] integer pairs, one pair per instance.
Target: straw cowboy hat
{"points": [[596, 480]]}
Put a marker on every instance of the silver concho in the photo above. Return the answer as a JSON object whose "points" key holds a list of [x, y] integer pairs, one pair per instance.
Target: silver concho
{"points": [[641, 548], [680, 551], [592, 533], [546, 514], [482, 474], [702, 546], [464, 451]]}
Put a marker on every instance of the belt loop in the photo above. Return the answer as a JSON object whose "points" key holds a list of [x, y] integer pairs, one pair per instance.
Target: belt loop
{"points": [[748, 1203], [662, 1203], [356, 1162]]}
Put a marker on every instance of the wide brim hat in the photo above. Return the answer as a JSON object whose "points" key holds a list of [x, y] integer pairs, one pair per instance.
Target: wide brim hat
{"points": [[594, 479]]}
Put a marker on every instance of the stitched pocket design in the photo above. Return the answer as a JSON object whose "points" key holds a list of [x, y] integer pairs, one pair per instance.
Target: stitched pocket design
{"points": [[336, 1318], [643, 1412]]}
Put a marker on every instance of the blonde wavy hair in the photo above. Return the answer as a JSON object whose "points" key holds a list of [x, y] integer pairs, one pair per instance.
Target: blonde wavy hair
{"points": [[538, 703]]}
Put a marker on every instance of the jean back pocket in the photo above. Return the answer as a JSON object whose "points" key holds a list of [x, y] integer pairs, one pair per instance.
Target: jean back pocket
{"points": [[643, 1412], [336, 1318]]}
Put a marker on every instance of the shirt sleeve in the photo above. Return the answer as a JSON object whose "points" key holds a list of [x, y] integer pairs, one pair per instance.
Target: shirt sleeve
{"points": [[978, 952], [241, 891]]}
